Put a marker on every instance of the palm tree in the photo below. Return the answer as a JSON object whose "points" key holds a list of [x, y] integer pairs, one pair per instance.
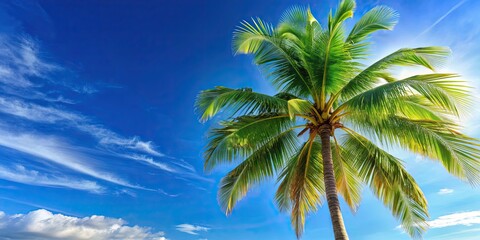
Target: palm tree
{"points": [[344, 113]]}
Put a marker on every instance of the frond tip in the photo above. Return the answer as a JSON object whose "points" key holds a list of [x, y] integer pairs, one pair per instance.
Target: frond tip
{"points": [[210, 102]]}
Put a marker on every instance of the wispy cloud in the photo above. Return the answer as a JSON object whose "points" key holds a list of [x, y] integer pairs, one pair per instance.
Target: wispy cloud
{"points": [[25, 76], [441, 18], [57, 151], [43, 224], [191, 229], [445, 191], [149, 161], [37, 113], [111, 139], [20, 174], [132, 148], [50, 114], [20, 61]]}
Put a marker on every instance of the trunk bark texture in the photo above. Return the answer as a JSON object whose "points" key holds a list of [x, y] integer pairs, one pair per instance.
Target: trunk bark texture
{"points": [[330, 186]]}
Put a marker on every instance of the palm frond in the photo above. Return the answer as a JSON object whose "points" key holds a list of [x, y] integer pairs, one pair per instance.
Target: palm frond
{"points": [[293, 23], [378, 18], [428, 57], [210, 102], [299, 106], [441, 89], [301, 184], [389, 181], [417, 107], [437, 140], [349, 185], [334, 65], [279, 57], [242, 136], [264, 162], [331, 60], [344, 11]]}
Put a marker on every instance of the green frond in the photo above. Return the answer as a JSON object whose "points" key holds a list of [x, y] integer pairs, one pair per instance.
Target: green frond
{"points": [[386, 76], [285, 96], [331, 56], [299, 106], [417, 107], [263, 163], [242, 136], [293, 24], [437, 140], [378, 18], [349, 185], [344, 11], [310, 18], [389, 181], [441, 89], [210, 102], [249, 37], [428, 57], [277, 55], [332, 62], [295, 16], [301, 184]]}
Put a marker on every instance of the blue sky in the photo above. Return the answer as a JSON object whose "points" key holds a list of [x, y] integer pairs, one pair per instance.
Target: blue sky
{"points": [[97, 119]]}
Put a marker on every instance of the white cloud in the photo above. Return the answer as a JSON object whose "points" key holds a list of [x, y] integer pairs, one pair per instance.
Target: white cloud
{"points": [[54, 115], [42, 224], [31, 177], [112, 139], [445, 191], [20, 60], [441, 18], [24, 75], [146, 147], [126, 192], [462, 218], [191, 229], [149, 161], [37, 113], [54, 150]]}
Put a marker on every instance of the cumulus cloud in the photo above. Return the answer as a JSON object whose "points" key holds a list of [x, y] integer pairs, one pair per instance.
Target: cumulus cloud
{"points": [[43, 224], [445, 191], [191, 229], [462, 218], [20, 174]]}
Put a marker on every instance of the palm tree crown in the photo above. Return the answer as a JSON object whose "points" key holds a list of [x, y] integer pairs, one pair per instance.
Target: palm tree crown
{"points": [[322, 134]]}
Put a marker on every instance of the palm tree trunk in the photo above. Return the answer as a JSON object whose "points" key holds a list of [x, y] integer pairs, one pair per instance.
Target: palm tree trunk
{"points": [[330, 186]]}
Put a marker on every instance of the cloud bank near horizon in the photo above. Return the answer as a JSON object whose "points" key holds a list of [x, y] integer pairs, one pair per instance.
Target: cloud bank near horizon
{"points": [[42, 224]]}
